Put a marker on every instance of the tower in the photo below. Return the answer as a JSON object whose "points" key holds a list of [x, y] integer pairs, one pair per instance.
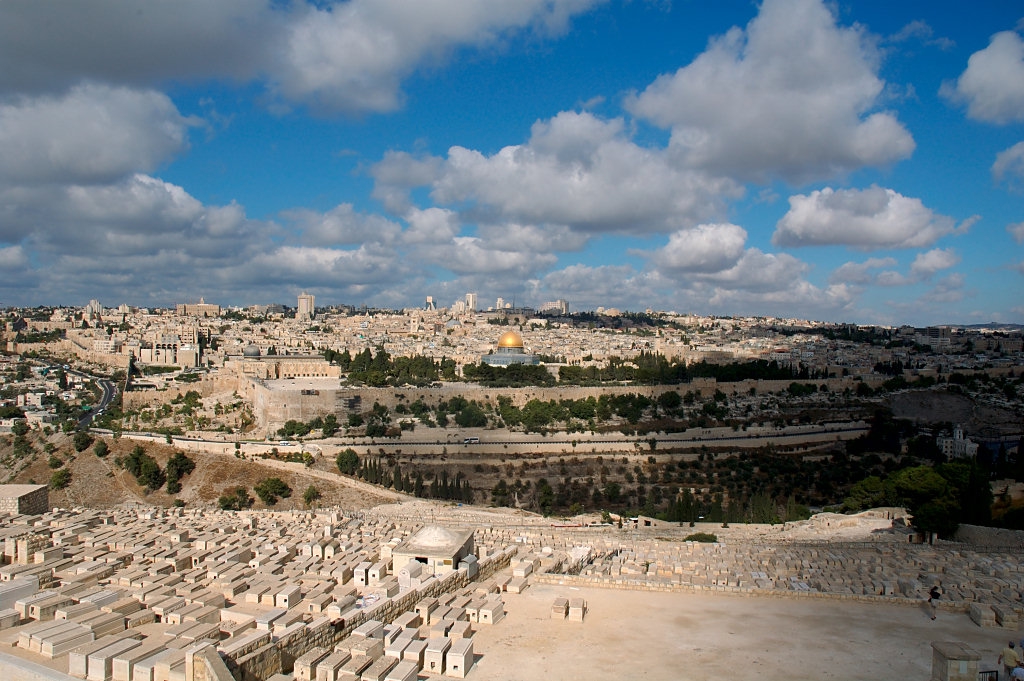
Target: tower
{"points": [[305, 307]]}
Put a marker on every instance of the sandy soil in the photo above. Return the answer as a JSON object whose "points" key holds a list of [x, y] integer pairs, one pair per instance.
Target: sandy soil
{"points": [[99, 483], [686, 637]]}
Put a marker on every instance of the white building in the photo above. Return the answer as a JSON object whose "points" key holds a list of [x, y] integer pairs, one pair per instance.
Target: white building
{"points": [[958, 446], [306, 307]]}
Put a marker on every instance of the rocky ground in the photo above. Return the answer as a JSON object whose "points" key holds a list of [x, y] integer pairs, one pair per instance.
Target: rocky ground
{"points": [[933, 406]]}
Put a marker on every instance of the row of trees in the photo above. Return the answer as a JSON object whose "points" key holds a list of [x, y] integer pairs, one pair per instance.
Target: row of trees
{"points": [[647, 368], [327, 425], [381, 369], [377, 472]]}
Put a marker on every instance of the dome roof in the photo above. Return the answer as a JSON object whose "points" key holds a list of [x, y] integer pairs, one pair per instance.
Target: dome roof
{"points": [[251, 351], [510, 339]]}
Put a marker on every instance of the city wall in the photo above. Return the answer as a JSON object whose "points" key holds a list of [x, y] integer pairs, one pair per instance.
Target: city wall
{"points": [[213, 385], [274, 405]]}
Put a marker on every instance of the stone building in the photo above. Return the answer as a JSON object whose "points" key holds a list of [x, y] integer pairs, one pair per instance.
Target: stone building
{"points": [[24, 499], [438, 549]]}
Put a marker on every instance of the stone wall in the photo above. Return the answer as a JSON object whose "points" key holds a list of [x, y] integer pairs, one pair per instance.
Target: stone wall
{"points": [[24, 499], [217, 383], [989, 536], [272, 407]]}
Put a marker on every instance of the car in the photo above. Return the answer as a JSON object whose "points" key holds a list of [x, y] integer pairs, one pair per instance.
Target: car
{"points": [[284, 443]]}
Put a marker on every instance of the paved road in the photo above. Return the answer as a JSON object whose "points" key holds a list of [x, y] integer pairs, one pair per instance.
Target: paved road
{"points": [[108, 392]]}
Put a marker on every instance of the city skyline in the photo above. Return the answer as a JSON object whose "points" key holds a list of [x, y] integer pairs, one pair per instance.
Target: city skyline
{"points": [[791, 158]]}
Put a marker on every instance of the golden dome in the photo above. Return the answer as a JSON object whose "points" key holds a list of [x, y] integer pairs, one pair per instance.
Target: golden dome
{"points": [[510, 339]]}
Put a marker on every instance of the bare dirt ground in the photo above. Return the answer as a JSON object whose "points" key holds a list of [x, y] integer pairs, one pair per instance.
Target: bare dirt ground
{"points": [[932, 406], [99, 483], [676, 636]]}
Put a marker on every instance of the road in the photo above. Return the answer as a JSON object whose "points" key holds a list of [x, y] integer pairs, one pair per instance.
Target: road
{"points": [[108, 392], [529, 443]]}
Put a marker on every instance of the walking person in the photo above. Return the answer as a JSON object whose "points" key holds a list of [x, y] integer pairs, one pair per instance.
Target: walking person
{"points": [[1009, 658], [933, 599]]}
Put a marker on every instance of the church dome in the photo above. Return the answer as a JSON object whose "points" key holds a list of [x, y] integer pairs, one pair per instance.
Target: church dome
{"points": [[251, 351], [510, 339]]}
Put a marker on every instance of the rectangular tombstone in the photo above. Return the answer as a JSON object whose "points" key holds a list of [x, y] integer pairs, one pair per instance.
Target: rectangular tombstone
{"points": [[954, 661], [100, 664], [459, 658], [406, 670], [328, 668], [305, 665], [415, 652], [434, 654], [378, 671]]}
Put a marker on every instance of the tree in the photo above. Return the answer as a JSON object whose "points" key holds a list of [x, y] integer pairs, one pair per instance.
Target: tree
{"points": [[60, 479], [348, 462], [235, 500], [144, 467], [311, 495], [868, 493], [101, 449], [82, 440], [178, 466], [269, 489]]}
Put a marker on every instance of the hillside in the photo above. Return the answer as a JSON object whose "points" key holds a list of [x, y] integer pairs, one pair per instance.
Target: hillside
{"points": [[99, 483]]}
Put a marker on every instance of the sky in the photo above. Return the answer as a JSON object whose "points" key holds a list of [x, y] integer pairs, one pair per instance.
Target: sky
{"points": [[848, 161]]}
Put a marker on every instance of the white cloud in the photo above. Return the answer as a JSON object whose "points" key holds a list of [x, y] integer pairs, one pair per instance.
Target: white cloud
{"points": [[759, 271], [606, 285], [866, 219], [334, 56], [342, 225], [12, 257], [353, 56], [94, 133], [140, 214], [397, 173], [472, 255], [921, 31], [431, 226], [927, 264], [992, 86], [860, 272], [705, 248], [792, 95], [536, 238], [949, 289], [1016, 230], [582, 172], [46, 48], [322, 266], [1009, 165]]}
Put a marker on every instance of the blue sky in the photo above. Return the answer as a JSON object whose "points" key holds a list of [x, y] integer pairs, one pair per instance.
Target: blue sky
{"points": [[841, 161]]}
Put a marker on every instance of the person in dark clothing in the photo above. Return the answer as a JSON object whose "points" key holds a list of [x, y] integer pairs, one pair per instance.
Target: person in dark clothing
{"points": [[933, 599]]}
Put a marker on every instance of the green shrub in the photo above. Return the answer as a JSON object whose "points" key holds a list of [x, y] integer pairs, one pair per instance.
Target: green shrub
{"points": [[60, 479], [269, 489]]}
